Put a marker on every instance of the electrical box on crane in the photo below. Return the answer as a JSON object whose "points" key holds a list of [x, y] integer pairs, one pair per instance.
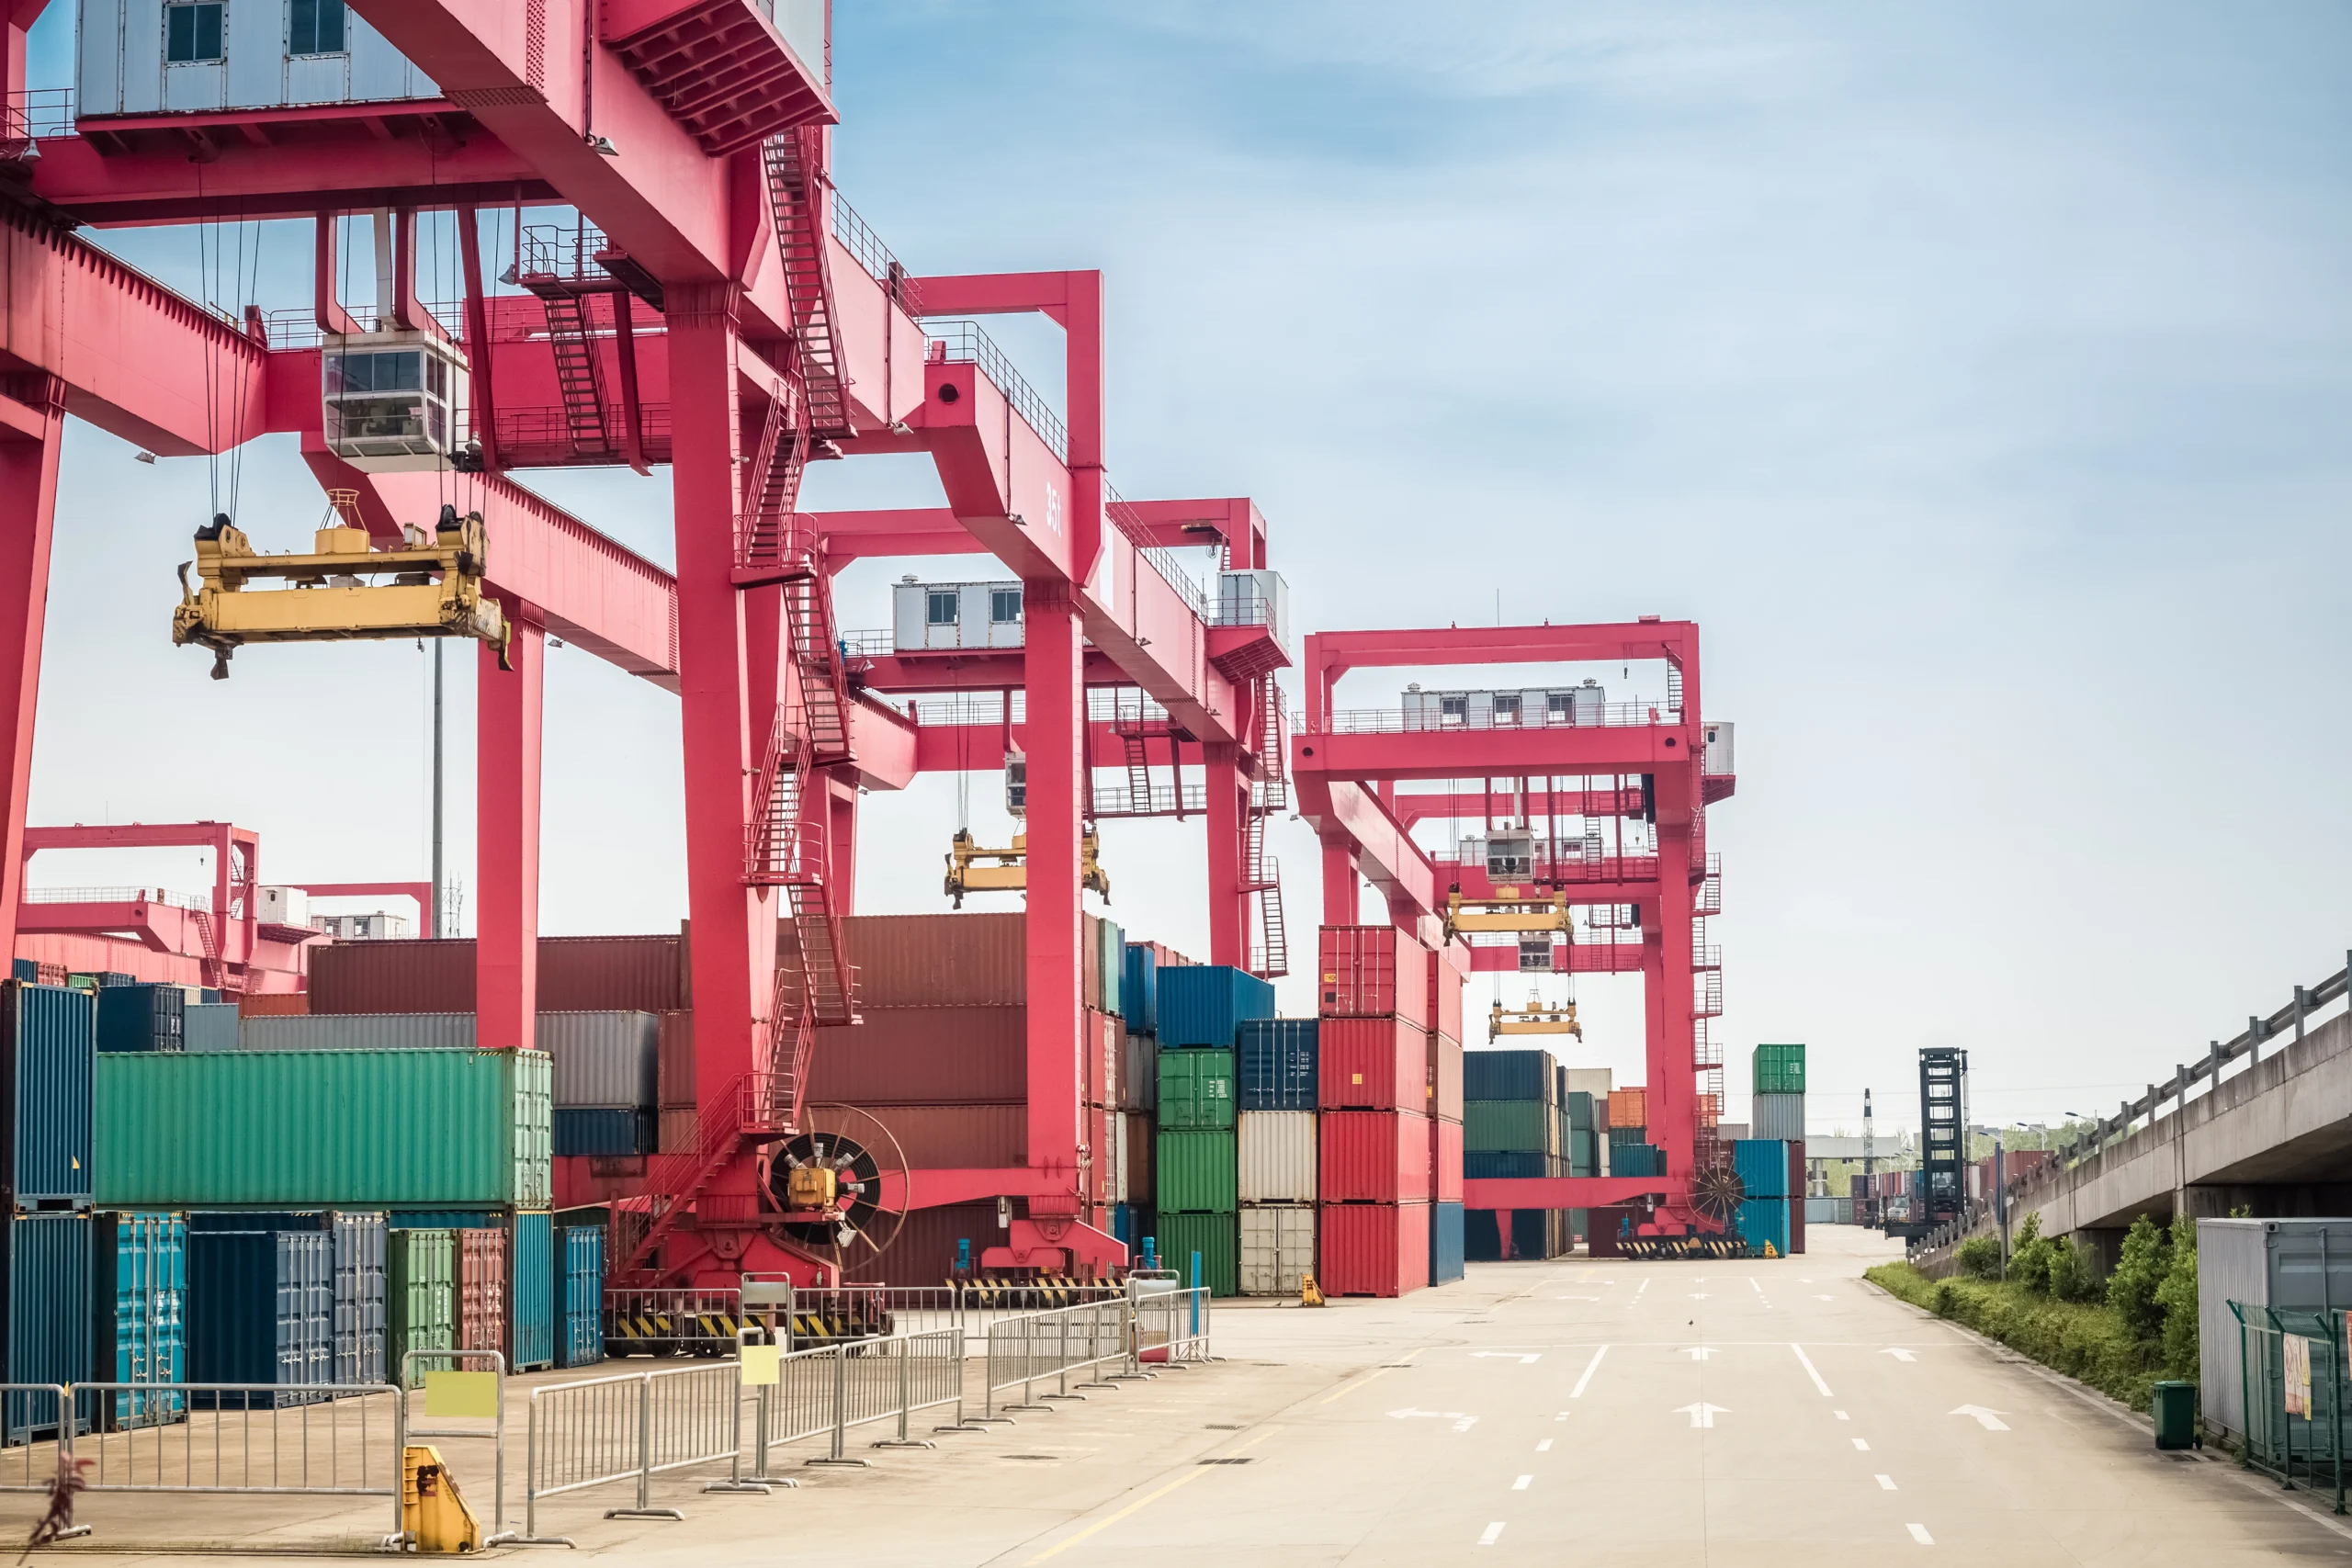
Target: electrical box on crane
{"points": [[1533, 1019], [973, 869], [1508, 910], [394, 401], [326, 599]]}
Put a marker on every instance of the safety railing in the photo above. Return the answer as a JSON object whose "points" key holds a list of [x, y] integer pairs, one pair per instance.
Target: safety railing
{"points": [[119, 896], [1163, 559], [666, 1322], [35, 113], [963, 342], [1396, 721], [2295, 1388], [866, 247], [632, 1427], [970, 1307], [869, 644], [1030, 1349]]}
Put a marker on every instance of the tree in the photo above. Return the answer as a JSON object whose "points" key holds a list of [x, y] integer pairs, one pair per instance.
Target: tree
{"points": [[2140, 1271], [1979, 1258], [2178, 1296], [2030, 1255]]}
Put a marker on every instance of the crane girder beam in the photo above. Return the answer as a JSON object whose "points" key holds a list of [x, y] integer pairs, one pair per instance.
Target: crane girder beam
{"points": [[1345, 811], [1561, 750], [1581, 958], [1470, 806]]}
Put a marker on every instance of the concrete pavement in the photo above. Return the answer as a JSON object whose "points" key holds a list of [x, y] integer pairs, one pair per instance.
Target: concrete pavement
{"points": [[1760, 1413]]}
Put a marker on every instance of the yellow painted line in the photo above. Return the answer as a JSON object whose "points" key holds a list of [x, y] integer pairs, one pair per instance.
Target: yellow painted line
{"points": [[1099, 1526]]}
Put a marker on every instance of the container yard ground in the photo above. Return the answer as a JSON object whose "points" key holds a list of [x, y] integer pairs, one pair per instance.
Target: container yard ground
{"points": [[1410, 1431]]}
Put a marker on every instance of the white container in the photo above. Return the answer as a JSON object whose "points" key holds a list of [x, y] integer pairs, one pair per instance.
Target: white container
{"points": [[1594, 1082], [1277, 1243], [122, 63], [1780, 1117], [1277, 1155], [356, 1032], [1255, 598], [283, 906], [378, 927], [931, 617], [1112, 1158], [1717, 758]]}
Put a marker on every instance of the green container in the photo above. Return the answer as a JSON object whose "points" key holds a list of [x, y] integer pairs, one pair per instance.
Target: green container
{"points": [[1110, 962], [419, 1299], [1197, 1173], [2174, 1406], [435, 1129], [1216, 1237], [1196, 1088], [1509, 1126], [1577, 1109], [1780, 1069]]}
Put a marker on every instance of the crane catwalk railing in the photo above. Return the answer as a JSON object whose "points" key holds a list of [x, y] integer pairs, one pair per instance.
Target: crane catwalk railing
{"points": [[963, 341], [866, 248], [191, 901], [1396, 721]]}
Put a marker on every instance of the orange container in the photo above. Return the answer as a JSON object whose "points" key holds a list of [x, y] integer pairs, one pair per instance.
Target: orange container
{"points": [[1629, 1108]]}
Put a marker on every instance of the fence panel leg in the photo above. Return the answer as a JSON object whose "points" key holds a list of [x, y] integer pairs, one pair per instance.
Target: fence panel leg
{"points": [[735, 1482], [1029, 1370], [906, 1401], [841, 1413]]}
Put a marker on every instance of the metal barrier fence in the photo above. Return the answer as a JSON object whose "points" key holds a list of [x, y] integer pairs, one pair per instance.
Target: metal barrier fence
{"points": [[1172, 1326], [847, 1312], [1039, 1347], [2296, 1388], [833, 1387]]}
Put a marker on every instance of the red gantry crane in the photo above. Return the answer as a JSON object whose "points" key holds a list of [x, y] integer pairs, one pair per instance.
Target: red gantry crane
{"points": [[709, 304], [1546, 756]]}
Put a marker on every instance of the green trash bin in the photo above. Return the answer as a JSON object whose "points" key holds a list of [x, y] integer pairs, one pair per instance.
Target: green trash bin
{"points": [[2174, 1406]]}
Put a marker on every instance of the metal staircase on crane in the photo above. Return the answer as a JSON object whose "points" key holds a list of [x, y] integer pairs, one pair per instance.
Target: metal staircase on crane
{"points": [[793, 162], [770, 546], [578, 378], [1270, 793]]}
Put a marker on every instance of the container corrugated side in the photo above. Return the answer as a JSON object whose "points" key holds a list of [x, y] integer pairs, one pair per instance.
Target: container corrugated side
{"points": [[482, 1264], [1374, 1156], [1277, 1247], [602, 1131], [1446, 984], [45, 1293], [1202, 1004], [1275, 1157], [1195, 1172], [1196, 1089], [1763, 1220], [50, 1052], [144, 1017], [138, 1301], [392, 976], [1374, 1250], [1762, 1166], [1215, 1238], [1507, 1075], [1630, 1108], [421, 1290], [1445, 1077], [530, 1292], [975, 960], [1138, 1071], [1446, 1243], [1519, 1125], [1140, 988], [1779, 1069], [211, 1026], [261, 1310], [2233, 1265], [608, 1058], [352, 1129], [1136, 1143], [931, 1056], [1372, 972], [359, 1032], [612, 974], [1372, 1064], [1776, 1116], [359, 1242], [580, 1333], [1446, 1159]]}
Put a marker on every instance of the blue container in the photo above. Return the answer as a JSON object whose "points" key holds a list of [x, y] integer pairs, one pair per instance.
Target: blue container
{"points": [[1276, 1065], [210, 1026], [1507, 1075], [1637, 1159], [530, 1292], [142, 1018], [1762, 1166], [1446, 1243], [604, 1130], [1765, 1220], [1139, 989], [23, 969], [47, 1060], [138, 1301], [46, 1292], [1203, 1004], [1626, 1135], [359, 1243], [1482, 1164], [580, 1337], [260, 1310]]}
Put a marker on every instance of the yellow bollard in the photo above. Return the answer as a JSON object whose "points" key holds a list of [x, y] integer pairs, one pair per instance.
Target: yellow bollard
{"points": [[1309, 1295], [434, 1515]]}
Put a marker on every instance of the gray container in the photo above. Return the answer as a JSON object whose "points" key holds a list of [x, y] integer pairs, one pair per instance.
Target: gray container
{"points": [[2305, 1265], [211, 1026], [602, 1060], [1778, 1117]]}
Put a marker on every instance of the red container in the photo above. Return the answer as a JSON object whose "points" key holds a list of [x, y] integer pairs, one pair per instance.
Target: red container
{"points": [[1369, 971], [912, 961], [273, 1004], [1372, 1157], [1139, 1158], [1445, 1161], [1371, 1064], [1445, 1077], [612, 974], [1798, 1188], [925, 1056], [954, 1137], [481, 1290], [1371, 1250], [676, 1077], [393, 976], [1445, 994]]}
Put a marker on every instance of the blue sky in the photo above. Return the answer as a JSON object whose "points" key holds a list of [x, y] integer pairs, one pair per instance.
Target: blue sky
{"points": [[1976, 376]]}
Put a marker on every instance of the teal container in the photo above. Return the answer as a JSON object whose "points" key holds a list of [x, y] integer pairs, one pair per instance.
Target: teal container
{"points": [[46, 1295], [530, 1291], [138, 1328], [580, 1338], [1202, 1004], [47, 1035]]}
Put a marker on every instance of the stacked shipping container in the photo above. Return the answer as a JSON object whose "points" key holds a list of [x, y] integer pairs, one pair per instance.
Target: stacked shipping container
{"points": [[1375, 1159], [1777, 1111], [1200, 1011], [47, 1035], [1512, 1126], [1276, 1060], [1444, 1107]]}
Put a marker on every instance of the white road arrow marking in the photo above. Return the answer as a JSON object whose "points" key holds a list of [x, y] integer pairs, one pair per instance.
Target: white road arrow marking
{"points": [[1988, 1419], [1461, 1423], [1702, 1415], [1899, 1353], [1524, 1360], [1700, 1353]]}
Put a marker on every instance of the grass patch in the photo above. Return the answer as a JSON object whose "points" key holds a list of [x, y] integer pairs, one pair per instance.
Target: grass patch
{"points": [[2088, 1342]]}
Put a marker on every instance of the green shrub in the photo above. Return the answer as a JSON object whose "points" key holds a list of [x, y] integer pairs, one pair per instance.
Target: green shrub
{"points": [[2146, 1260], [1979, 1258], [2083, 1339], [2029, 1257], [2178, 1296]]}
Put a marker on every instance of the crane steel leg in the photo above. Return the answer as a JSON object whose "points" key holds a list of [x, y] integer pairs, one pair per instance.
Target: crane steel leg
{"points": [[507, 709], [1342, 886], [1051, 671], [1229, 804], [30, 434]]}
